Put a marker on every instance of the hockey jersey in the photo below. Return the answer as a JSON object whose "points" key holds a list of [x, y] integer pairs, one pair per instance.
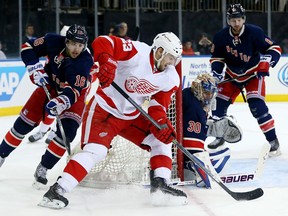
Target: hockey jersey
{"points": [[241, 53], [137, 76], [68, 76], [194, 121]]}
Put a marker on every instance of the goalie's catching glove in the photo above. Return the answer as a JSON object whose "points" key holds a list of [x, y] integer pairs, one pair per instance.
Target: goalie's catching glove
{"points": [[107, 69], [58, 104], [263, 66], [167, 133], [37, 74], [225, 127]]}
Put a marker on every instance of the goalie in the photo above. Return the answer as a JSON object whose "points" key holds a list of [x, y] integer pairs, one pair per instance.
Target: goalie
{"points": [[197, 103]]}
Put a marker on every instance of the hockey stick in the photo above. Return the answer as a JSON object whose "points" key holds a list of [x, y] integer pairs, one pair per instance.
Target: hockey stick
{"points": [[65, 140], [240, 177], [249, 195], [238, 77]]}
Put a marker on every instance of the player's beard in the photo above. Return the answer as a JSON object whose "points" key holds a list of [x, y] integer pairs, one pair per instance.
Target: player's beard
{"points": [[236, 30]]}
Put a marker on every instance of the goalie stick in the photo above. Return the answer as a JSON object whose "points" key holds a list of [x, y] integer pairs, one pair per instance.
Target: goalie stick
{"points": [[65, 140], [249, 195], [239, 177]]}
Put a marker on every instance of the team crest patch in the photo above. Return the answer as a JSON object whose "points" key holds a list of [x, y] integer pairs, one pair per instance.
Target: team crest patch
{"points": [[140, 86]]}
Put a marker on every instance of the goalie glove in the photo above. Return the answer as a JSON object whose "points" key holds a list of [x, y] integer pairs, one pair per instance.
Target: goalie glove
{"points": [[226, 128], [37, 74], [264, 65], [58, 105]]}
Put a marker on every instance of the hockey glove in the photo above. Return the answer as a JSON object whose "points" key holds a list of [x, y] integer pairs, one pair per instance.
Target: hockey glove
{"points": [[263, 66], [107, 68], [167, 134], [37, 74], [219, 77], [58, 105]]}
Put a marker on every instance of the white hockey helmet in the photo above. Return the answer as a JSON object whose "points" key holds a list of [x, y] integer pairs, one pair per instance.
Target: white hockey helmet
{"points": [[170, 43]]}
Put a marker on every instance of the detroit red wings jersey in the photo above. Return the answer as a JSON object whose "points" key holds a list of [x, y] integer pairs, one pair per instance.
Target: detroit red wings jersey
{"points": [[136, 75]]}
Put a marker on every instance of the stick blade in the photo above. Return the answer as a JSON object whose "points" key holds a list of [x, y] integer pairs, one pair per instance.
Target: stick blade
{"points": [[249, 195]]}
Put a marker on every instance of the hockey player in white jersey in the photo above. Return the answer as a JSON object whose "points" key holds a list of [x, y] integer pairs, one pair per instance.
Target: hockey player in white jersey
{"points": [[143, 72]]}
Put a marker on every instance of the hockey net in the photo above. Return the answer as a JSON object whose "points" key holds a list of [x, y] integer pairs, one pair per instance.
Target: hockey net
{"points": [[126, 163]]}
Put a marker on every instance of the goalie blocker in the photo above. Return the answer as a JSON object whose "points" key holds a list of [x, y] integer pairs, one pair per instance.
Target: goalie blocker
{"points": [[224, 129]]}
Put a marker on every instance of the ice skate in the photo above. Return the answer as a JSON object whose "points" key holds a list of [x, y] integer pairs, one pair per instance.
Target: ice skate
{"points": [[164, 195], [54, 198], [275, 148], [1, 161], [216, 143], [37, 136], [40, 177]]}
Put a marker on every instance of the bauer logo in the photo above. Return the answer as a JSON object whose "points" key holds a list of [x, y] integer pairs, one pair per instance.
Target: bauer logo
{"points": [[283, 75], [9, 81]]}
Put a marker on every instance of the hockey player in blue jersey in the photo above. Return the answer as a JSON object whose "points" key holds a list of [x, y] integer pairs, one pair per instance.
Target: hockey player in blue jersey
{"points": [[67, 77], [245, 51], [197, 104]]}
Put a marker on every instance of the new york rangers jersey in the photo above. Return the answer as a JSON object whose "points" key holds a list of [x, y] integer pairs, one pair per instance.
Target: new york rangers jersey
{"points": [[241, 53], [194, 121], [68, 76], [137, 76]]}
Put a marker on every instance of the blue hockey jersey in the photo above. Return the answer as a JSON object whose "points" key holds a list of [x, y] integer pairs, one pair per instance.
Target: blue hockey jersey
{"points": [[241, 53], [68, 76], [194, 121]]}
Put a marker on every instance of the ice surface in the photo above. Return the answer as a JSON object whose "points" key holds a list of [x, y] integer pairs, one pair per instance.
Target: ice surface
{"points": [[17, 197]]}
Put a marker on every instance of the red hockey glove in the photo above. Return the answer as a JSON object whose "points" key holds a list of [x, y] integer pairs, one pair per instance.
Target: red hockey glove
{"points": [[107, 70], [58, 104], [167, 134], [263, 66], [37, 74]]}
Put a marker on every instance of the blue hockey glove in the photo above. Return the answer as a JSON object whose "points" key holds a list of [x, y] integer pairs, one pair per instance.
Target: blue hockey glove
{"points": [[58, 104], [219, 77], [37, 74]]}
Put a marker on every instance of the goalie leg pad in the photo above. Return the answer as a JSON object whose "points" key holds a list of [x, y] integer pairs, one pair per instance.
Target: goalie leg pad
{"points": [[225, 127], [202, 179], [219, 158]]}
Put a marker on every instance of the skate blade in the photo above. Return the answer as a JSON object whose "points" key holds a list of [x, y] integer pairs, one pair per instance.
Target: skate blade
{"points": [[158, 198], [275, 153], [54, 204]]}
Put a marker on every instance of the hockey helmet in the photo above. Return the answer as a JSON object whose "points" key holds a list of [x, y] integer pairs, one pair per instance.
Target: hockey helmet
{"points": [[204, 88], [77, 33], [170, 43], [235, 11]]}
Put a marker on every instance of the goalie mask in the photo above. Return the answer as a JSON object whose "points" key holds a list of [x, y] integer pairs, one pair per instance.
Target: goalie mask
{"points": [[170, 44], [204, 88]]}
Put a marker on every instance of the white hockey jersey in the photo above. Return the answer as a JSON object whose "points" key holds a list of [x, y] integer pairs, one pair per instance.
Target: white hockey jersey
{"points": [[136, 75]]}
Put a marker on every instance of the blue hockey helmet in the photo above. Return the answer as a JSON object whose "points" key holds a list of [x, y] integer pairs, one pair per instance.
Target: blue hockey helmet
{"points": [[77, 33], [235, 11]]}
